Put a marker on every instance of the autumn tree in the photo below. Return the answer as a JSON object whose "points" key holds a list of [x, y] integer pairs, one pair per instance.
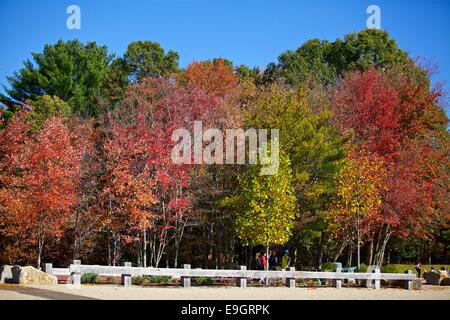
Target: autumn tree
{"points": [[358, 202], [315, 149], [265, 205], [210, 183], [400, 122], [139, 147], [129, 190], [46, 107], [216, 77], [39, 175]]}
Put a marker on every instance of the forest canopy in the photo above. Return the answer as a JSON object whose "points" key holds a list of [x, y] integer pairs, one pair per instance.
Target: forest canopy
{"points": [[86, 173]]}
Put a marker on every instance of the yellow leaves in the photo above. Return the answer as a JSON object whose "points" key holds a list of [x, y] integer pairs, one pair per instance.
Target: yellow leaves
{"points": [[360, 184], [267, 206]]}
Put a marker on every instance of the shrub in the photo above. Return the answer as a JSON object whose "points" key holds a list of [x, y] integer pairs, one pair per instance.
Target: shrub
{"points": [[140, 280], [148, 280], [401, 268], [362, 268], [160, 279], [89, 278], [328, 267]]}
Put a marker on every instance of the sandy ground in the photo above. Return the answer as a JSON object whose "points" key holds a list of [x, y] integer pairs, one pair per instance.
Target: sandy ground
{"points": [[65, 292]]}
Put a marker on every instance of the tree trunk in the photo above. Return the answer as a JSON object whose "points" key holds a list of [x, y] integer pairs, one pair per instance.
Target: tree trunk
{"points": [[320, 251], [40, 246], [108, 261], [370, 253], [295, 257], [358, 244], [341, 248], [381, 246], [144, 249], [205, 247], [350, 254]]}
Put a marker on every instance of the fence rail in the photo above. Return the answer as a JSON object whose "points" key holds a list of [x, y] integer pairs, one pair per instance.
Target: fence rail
{"points": [[241, 275]]}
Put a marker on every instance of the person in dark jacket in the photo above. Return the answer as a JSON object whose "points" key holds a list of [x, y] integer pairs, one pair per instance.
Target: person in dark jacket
{"points": [[258, 261], [273, 260], [419, 268]]}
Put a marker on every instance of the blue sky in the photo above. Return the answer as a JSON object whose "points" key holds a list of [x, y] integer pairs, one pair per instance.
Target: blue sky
{"points": [[247, 32]]}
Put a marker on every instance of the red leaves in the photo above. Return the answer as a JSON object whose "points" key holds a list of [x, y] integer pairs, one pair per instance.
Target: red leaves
{"points": [[368, 106], [398, 120], [39, 176]]}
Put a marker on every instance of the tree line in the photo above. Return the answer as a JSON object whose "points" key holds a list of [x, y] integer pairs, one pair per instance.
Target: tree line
{"points": [[85, 168]]}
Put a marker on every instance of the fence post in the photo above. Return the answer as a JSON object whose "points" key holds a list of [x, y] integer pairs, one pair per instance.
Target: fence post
{"points": [[48, 268], [75, 273], [242, 281], [338, 282], [408, 284], [290, 281], [185, 280], [377, 281], [126, 277]]}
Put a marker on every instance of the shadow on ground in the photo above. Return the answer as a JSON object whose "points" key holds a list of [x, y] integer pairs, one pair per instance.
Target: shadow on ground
{"points": [[42, 293]]}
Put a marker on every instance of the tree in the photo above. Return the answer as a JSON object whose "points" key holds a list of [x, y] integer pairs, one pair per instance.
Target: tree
{"points": [[47, 107], [139, 147], [315, 149], [147, 59], [216, 77], [367, 106], [311, 61], [395, 115], [358, 203], [39, 177], [265, 205], [70, 70], [128, 194], [323, 62], [370, 48]]}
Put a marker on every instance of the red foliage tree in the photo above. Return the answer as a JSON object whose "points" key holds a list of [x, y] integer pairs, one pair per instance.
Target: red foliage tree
{"points": [[398, 119], [39, 176], [146, 196]]}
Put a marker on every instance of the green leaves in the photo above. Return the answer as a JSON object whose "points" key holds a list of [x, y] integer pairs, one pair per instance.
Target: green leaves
{"points": [[148, 59], [46, 107], [265, 205], [309, 139], [70, 70], [322, 62]]}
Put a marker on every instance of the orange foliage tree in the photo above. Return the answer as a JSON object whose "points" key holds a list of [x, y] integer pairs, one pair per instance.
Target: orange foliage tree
{"points": [[39, 173]]}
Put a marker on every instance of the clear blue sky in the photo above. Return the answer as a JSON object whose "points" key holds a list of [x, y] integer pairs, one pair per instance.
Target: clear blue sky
{"points": [[247, 32]]}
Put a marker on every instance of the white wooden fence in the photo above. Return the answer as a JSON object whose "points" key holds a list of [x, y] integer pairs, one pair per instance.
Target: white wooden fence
{"points": [[372, 279]]}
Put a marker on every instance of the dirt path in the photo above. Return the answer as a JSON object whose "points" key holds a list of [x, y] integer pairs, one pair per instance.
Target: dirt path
{"points": [[64, 292]]}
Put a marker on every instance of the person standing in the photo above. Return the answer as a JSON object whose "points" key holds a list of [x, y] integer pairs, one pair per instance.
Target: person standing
{"points": [[419, 268], [286, 260], [258, 261], [263, 258], [273, 260]]}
